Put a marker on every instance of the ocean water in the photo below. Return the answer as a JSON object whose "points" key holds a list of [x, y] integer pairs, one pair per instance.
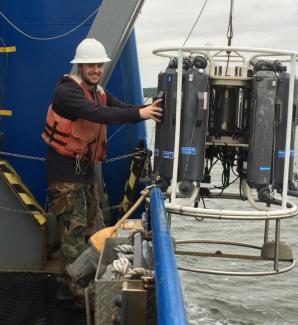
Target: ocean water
{"points": [[235, 300], [221, 299]]}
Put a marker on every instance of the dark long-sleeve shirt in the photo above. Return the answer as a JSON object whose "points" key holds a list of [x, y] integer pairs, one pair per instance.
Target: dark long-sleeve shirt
{"points": [[70, 102]]}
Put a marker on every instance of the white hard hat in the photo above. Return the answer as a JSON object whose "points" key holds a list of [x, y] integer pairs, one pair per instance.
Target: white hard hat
{"points": [[90, 51]]}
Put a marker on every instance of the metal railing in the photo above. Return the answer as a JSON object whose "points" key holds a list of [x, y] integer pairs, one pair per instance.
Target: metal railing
{"points": [[169, 299]]}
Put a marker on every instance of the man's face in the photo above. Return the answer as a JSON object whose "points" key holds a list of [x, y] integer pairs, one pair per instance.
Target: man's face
{"points": [[90, 72]]}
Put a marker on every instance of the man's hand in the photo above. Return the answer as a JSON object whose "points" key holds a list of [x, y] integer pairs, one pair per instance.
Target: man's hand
{"points": [[152, 111]]}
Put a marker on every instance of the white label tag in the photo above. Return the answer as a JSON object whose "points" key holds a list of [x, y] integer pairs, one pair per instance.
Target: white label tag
{"points": [[205, 99]]}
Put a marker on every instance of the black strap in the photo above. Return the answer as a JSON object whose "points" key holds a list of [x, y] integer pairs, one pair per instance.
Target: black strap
{"points": [[51, 138], [53, 130]]}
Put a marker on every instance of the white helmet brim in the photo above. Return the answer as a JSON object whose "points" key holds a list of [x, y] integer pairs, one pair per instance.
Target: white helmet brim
{"points": [[80, 60]]}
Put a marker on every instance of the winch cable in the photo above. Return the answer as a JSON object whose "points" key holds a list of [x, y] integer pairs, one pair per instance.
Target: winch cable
{"points": [[230, 33], [195, 23], [230, 25]]}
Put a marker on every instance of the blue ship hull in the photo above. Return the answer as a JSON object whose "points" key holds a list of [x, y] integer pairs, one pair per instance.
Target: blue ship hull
{"points": [[29, 75]]}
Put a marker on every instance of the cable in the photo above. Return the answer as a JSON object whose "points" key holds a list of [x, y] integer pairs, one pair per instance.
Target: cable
{"points": [[2, 81], [229, 34], [194, 25], [123, 126], [204, 203], [117, 131], [48, 38], [232, 169], [230, 25]]}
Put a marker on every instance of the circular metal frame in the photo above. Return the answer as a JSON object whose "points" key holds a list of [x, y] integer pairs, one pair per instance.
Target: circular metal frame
{"points": [[205, 50], [233, 214], [233, 273]]}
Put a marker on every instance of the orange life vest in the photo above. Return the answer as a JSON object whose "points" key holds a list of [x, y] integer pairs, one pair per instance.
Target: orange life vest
{"points": [[79, 138]]}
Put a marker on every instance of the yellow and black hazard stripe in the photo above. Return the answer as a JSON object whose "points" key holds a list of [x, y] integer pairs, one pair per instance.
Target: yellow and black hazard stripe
{"points": [[23, 193], [135, 172]]}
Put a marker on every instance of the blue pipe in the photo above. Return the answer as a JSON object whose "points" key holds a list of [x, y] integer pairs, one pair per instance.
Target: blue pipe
{"points": [[169, 299]]}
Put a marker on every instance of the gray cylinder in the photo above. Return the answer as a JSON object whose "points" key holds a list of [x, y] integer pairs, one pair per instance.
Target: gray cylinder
{"points": [[193, 128], [165, 131], [259, 164]]}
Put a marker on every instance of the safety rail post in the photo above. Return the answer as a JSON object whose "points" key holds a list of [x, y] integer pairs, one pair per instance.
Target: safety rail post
{"points": [[177, 126], [288, 132], [169, 299]]}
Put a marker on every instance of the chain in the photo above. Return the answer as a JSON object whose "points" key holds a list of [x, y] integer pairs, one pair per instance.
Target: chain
{"points": [[120, 157], [25, 212], [117, 206], [43, 159], [49, 214], [21, 156]]}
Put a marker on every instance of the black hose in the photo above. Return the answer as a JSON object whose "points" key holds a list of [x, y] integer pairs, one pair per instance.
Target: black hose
{"points": [[265, 196], [293, 193]]}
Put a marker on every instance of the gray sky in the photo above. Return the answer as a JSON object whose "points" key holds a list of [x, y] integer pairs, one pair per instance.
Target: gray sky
{"points": [[256, 23]]}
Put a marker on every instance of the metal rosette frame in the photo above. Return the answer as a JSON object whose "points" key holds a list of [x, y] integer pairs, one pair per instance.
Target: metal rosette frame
{"points": [[245, 56]]}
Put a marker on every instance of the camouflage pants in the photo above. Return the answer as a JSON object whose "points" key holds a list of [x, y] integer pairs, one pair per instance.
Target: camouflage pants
{"points": [[76, 207]]}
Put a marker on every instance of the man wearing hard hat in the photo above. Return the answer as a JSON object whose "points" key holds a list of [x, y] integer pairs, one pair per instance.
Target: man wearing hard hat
{"points": [[75, 133]]}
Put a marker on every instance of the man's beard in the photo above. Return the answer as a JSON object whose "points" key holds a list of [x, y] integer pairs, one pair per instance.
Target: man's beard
{"points": [[89, 83]]}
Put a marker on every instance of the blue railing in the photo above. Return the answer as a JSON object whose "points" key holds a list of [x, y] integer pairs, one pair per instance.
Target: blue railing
{"points": [[169, 299]]}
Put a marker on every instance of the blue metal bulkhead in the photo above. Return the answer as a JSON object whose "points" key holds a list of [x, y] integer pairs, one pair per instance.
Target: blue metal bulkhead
{"points": [[28, 78]]}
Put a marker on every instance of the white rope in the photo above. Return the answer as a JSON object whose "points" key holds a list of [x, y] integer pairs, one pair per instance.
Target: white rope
{"points": [[139, 272], [129, 257], [126, 249], [120, 267], [123, 266], [47, 38]]}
